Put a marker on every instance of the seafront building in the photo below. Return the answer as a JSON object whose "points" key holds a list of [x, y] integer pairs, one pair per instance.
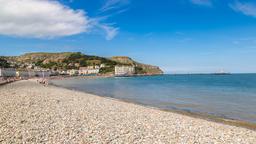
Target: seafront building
{"points": [[21, 74], [73, 72], [10, 72], [7, 72], [89, 70], [63, 72], [124, 70], [31, 73], [42, 73]]}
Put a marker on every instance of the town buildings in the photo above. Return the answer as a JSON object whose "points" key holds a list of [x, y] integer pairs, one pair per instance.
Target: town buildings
{"points": [[10, 72], [120, 70]]}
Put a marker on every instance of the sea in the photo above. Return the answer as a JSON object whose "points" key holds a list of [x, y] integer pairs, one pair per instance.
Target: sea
{"points": [[226, 96]]}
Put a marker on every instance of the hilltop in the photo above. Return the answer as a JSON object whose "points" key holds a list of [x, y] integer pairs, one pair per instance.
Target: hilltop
{"points": [[75, 60]]}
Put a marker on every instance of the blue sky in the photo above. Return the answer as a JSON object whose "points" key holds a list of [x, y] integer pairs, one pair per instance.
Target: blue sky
{"points": [[180, 36]]}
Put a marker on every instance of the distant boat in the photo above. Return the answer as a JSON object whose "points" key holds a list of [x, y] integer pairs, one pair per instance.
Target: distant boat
{"points": [[222, 72]]}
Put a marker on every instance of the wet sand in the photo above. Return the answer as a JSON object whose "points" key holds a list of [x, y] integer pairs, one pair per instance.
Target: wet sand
{"points": [[32, 113]]}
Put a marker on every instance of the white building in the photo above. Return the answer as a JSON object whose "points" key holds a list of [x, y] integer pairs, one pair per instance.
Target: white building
{"points": [[22, 74], [42, 73], [31, 73], [7, 72], [124, 70], [89, 70], [102, 65], [73, 72], [63, 72]]}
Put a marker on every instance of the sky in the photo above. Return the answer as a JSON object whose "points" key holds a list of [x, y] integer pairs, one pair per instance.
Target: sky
{"points": [[179, 36]]}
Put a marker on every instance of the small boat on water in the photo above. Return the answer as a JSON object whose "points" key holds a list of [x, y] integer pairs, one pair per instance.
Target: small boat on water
{"points": [[222, 72]]}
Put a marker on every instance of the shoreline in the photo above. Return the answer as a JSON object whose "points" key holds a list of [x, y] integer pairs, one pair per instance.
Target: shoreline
{"points": [[4, 82], [208, 117], [33, 113]]}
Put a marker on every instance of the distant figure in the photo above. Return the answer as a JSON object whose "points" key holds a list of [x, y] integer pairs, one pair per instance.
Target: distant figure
{"points": [[43, 81]]}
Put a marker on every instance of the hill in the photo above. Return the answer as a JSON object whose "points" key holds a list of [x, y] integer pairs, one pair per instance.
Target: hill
{"points": [[74, 60]]}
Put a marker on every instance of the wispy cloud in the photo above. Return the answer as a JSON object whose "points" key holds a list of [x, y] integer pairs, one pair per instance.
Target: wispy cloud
{"points": [[185, 40], [202, 2], [110, 30], [111, 8], [248, 9], [113, 4], [245, 40], [178, 33]]}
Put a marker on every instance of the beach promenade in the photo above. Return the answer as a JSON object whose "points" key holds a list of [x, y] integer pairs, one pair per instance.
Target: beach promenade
{"points": [[33, 113]]}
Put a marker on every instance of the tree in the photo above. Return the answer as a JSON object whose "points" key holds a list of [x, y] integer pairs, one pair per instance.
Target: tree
{"points": [[106, 70], [139, 70], [4, 63]]}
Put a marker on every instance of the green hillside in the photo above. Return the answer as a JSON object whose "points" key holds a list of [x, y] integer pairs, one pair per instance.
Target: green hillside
{"points": [[75, 60]]}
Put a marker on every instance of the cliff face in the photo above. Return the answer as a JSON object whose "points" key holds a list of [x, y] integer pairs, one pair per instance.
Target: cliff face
{"points": [[140, 68], [74, 60]]}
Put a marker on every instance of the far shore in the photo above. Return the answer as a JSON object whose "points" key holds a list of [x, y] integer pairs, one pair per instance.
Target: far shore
{"points": [[33, 113]]}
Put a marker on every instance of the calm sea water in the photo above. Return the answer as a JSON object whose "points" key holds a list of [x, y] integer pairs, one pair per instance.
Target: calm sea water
{"points": [[228, 96]]}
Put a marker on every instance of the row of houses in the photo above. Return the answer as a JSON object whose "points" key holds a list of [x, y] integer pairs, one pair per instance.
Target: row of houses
{"points": [[10, 72], [83, 71], [119, 71]]}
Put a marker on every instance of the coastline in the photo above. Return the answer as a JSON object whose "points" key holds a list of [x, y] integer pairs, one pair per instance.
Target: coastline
{"points": [[94, 119]]}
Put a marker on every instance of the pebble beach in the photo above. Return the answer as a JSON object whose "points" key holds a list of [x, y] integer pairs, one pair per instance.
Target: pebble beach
{"points": [[33, 113]]}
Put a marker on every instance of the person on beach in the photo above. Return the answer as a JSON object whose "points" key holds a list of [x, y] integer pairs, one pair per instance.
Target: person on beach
{"points": [[42, 81], [45, 82]]}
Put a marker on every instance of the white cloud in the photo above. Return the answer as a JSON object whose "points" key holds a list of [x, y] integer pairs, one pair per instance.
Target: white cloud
{"points": [[202, 2], [40, 18], [109, 30], [113, 4], [46, 19], [245, 8]]}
